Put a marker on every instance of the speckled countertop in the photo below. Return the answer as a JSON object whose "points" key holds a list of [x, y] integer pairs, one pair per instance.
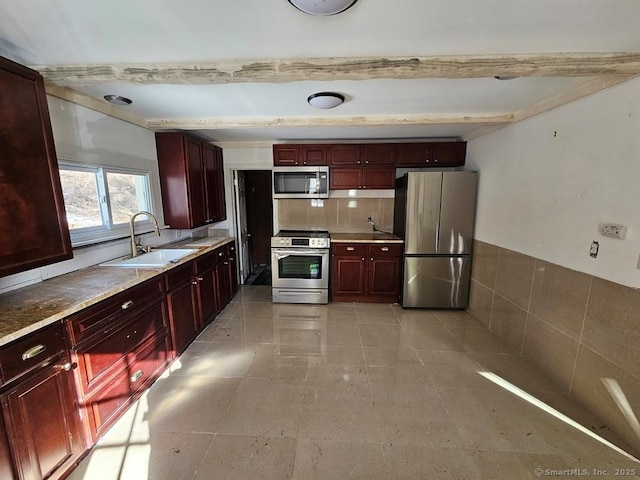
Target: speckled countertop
{"points": [[30, 308], [373, 237]]}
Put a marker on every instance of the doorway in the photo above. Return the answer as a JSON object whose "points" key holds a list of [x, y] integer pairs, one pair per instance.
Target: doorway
{"points": [[255, 224]]}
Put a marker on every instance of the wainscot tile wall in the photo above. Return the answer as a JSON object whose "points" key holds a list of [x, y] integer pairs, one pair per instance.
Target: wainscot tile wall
{"points": [[581, 331], [336, 214]]}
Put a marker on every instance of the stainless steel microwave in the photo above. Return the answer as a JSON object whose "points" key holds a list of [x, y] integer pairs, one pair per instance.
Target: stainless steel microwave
{"points": [[300, 182]]}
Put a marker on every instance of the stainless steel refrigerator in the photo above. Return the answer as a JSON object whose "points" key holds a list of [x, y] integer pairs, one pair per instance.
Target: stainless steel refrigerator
{"points": [[434, 212]]}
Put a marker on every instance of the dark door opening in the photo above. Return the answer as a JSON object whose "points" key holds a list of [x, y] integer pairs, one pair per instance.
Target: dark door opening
{"points": [[259, 208]]}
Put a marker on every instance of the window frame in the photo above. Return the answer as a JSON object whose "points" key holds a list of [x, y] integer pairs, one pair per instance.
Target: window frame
{"points": [[109, 230]]}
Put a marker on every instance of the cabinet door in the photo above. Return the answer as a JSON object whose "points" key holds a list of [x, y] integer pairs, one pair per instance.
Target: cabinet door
{"points": [[380, 154], [206, 296], [345, 178], [384, 276], [213, 183], [449, 154], [345, 155], [6, 464], [183, 316], [223, 286], [379, 178], [233, 271], [32, 203], [44, 424], [285, 155], [415, 154], [348, 275], [311, 155], [221, 206], [195, 183]]}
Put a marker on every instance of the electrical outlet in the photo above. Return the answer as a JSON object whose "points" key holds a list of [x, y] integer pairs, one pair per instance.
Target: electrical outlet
{"points": [[638, 265], [613, 230], [594, 249], [369, 219]]}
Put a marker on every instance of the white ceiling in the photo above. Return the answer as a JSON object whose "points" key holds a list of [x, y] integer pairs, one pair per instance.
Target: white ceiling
{"points": [[195, 33]]}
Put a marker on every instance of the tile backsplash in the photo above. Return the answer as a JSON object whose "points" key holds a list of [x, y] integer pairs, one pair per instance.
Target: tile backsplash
{"points": [[336, 214], [581, 331]]}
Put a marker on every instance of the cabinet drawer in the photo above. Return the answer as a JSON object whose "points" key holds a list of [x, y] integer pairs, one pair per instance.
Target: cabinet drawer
{"points": [[99, 360], [348, 249], [205, 262], [104, 408], [25, 354], [101, 318], [179, 276], [385, 250]]}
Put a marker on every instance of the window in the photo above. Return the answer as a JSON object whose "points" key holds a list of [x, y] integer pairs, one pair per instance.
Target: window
{"points": [[100, 200]]}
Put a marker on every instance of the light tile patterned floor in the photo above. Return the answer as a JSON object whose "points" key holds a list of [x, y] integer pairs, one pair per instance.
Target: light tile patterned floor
{"points": [[348, 391]]}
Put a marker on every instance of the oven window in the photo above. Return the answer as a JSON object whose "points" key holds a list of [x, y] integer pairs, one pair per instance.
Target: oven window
{"points": [[300, 266]]}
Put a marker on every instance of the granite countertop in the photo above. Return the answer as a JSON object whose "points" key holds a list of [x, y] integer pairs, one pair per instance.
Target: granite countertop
{"points": [[372, 237], [28, 309]]}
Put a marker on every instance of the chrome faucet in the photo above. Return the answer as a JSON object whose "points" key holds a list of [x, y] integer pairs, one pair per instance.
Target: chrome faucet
{"points": [[134, 246]]}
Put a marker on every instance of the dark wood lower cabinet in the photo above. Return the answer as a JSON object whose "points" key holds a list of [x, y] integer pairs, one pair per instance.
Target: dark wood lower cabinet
{"points": [[41, 434], [183, 315], [363, 272]]}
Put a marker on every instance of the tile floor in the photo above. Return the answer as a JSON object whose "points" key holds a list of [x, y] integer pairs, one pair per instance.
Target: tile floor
{"points": [[349, 391]]}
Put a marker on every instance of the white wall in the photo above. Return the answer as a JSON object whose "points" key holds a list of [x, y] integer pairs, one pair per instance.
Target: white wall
{"points": [[546, 184]]}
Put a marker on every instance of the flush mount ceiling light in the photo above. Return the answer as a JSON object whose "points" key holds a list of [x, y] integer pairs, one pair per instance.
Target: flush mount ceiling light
{"points": [[118, 100], [325, 100], [322, 7]]}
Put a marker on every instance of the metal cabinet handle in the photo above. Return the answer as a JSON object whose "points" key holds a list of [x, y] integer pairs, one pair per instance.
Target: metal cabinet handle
{"points": [[351, 249], [372, 259], [385, 249], [127, 304], [136, 376], [193, 282], [220, 254], [362, 259], [200, 279], [33, 352]]}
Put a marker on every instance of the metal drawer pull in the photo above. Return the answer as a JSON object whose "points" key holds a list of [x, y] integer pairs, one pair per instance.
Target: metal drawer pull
{"points": [[351, 249], [136, 376], [385, 249], [127, 304], [33, 351]]}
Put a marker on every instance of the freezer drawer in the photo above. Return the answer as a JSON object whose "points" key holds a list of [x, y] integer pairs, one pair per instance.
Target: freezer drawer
{"points": [[436, 282]]}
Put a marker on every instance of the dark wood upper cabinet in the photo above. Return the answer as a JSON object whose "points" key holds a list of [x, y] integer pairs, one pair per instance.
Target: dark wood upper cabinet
{"points": [[382, 154], [346, 154], [312, 155], [31, 201], [362, 178], [285, 155], [415, 154], [449, 154], [191, 180]]}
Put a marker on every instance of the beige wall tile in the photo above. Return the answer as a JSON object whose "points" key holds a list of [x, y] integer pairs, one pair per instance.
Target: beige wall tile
{"points": [[337, 214], [480, 302], [515, 276], [589, 389], [485, 263], [553, 352], [508, 322], [612, 324], [559, 297]]}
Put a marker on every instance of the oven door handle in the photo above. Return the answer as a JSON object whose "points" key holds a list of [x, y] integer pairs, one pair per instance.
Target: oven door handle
{"points": [[285, 253]]}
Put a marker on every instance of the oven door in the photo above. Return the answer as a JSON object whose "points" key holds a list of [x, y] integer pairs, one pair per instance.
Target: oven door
{"points": [[300, 267]]}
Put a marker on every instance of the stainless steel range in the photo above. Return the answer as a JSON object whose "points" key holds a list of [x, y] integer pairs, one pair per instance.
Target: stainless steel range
{"points": [[300, 266]]}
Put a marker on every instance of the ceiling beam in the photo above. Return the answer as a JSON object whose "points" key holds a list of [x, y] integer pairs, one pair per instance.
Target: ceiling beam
{"points": [[327, 69], [360, 121]]}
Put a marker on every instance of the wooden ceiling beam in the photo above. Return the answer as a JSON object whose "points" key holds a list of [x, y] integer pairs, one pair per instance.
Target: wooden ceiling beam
{"points": [[327, 69]]}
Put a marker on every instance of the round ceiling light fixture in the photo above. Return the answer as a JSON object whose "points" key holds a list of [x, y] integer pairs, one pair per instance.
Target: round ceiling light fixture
{"points": [[322, 7], [118, 100], [325, 100]]}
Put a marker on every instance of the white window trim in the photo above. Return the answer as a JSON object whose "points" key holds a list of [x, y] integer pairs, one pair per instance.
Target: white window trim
{"points": [[109, 231]]}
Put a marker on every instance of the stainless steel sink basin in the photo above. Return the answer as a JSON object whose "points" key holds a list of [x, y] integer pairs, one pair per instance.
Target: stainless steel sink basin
{"points": [[154, 259]]}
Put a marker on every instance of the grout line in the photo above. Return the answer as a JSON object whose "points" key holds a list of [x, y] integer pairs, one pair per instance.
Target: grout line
{"points": [[584, 321], [528, 309]]}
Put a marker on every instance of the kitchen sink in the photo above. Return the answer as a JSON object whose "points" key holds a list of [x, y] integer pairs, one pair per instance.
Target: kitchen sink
{"points": [[154, 259]]}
